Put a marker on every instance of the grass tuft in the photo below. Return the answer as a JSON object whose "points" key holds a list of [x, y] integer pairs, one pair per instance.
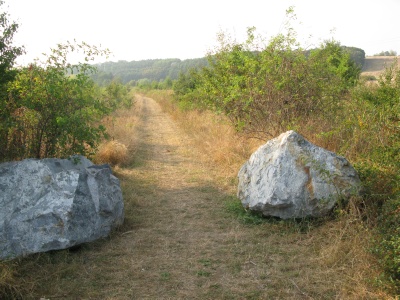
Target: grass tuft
{"points": [[9, 287], [113, 153], [234, 207]]}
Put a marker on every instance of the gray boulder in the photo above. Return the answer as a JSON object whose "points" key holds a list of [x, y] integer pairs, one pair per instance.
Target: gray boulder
{"points": [[289, 177], [53, 204]]}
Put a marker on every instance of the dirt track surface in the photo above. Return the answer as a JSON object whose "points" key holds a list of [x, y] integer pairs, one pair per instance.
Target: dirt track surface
{"points": [[176, 246], [179, 241], [183, 244], [176, 228]]}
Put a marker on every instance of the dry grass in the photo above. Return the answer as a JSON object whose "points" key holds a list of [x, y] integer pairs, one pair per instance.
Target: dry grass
{"points": [[9, 286], [184, 235], [343, 259], [119, 149], [216, 141], [111, 152]]}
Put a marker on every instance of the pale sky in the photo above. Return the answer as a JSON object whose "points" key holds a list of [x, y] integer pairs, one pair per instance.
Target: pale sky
{"points": [[150, 29]]}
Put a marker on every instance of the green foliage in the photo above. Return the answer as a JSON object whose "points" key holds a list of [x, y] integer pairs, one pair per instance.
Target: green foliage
{"points": [[185, 88], [158, 70], [369, 132], [8, 52], [338, 64], [265, 90], [235, 208], [368, 77], [357, 55], [388, 247], [53, 107], [386, 100], [166, 83], [117, 94]]}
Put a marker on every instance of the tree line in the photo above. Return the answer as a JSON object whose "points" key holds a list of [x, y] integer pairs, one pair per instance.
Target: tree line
{"points": [[156, 73], [140, 72]]}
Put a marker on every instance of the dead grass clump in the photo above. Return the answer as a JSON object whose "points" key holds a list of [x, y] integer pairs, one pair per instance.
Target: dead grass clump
{"points": [[112, 152], [120, 126], [9, 287]]}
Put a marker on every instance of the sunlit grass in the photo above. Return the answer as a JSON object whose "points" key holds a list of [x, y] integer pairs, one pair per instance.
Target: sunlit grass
{"points": [[344, 242]]}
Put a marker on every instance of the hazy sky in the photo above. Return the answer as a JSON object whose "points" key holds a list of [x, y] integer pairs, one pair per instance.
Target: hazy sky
{"points": [[147, 29]]}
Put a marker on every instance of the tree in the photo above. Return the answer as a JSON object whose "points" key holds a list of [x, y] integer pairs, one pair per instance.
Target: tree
{"points": [[117, 94], [357, 55], [54, 106], [386, 53], [8, 54], [268, 89]]}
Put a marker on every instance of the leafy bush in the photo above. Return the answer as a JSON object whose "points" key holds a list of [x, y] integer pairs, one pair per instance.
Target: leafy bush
{"points": [[8, 52], [386, 100], [369, 134], [52, 108], [117, 94], [368, 77], [357, 55], [267, 90]]}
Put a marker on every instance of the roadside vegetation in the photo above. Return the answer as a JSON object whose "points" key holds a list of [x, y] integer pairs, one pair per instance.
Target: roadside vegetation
{"points": [[266, 89], [53, 108], [247, 93]]}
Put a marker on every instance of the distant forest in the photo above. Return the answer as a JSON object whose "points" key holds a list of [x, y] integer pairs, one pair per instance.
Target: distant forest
{"points": [[136, 72], [157, 70]]}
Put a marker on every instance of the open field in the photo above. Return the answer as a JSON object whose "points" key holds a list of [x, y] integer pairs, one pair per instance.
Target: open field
{"points": [[374, 65]]}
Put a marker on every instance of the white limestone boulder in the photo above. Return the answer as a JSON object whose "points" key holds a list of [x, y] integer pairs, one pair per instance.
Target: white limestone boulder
{"points": [[53, 204], [289, 177]]}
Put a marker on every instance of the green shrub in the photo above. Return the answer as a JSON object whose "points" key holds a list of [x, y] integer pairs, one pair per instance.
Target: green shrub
{"points": [[387, 248], [266, 90], [52, 109], [372, 128], [368, 77], [116, 95]]}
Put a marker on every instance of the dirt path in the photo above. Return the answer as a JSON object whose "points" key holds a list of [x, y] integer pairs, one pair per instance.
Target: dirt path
{"points": [[178, 230], [179, 241]]}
